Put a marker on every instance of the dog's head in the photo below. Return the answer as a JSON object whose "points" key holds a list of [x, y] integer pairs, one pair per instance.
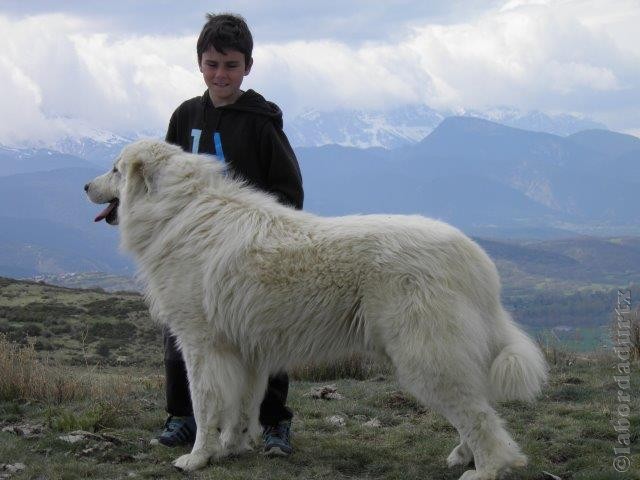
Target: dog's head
{"points": [[134, 173]]}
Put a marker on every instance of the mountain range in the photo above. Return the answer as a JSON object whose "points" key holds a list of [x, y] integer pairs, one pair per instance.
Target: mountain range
{"points": [[489, 179], [486, 177], [409, 124], [391, 128]]}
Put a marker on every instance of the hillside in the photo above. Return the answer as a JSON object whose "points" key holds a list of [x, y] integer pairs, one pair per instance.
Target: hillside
{"points": [[89, 326], [92, 409], [527, 267], [77, 327], [565, 265]]}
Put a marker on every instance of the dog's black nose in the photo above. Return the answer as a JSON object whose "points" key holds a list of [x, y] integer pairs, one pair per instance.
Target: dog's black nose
{"points": [[86, 187]]}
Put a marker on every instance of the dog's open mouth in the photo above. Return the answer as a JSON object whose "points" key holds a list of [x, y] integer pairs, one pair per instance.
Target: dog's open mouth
{"points": [[110, 214]]}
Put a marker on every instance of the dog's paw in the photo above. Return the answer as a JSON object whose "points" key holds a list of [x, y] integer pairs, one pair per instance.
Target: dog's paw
{"points": [[461, 455], [192, 461], [519, 461], [475, 475]]}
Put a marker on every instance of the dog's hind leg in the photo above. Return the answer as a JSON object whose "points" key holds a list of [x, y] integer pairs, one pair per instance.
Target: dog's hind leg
{"points": [[460, 455], [217, 381], [444, 366], [483, 437], [493, 448]]}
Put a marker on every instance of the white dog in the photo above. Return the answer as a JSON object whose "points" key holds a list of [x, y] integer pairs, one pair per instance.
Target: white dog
{"points": [[251, 287]]}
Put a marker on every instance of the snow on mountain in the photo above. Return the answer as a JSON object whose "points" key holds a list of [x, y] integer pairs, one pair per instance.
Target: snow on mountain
{"points": [[24, 153], [559, 124], [96, 145], [363, 129], [398, 127], [96, 152], [409, 124]]}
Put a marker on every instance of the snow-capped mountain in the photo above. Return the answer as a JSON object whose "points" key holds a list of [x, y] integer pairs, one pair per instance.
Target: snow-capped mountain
{"points": [[363, 129], [77, 138], [397, 127], [97, 151], [559, 124], [67, 152], [409, 124], [99, 147]]}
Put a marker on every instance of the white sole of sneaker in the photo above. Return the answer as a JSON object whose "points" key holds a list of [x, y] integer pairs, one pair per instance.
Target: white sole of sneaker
{"points": [[275, 452]]}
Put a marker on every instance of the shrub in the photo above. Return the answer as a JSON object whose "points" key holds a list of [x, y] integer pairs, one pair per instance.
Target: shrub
{"points": [[32, 330], [24, 376], [39, 312], [43, 344], [103, 349], [113, 307], [106, 330], [554, 351], [102, 415], [61, 328]]}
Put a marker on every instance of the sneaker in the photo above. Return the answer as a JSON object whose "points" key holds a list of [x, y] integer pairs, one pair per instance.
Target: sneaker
{"points": [[178, 431], [277, 439]]}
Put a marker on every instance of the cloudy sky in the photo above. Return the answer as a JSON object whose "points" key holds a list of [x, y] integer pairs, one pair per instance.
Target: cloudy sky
{"points": [[122, 66]]}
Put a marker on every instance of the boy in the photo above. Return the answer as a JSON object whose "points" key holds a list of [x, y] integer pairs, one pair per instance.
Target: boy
{"points": [[245, 131]]}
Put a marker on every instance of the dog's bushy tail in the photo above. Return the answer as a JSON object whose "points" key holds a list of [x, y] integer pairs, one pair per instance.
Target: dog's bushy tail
{"points": [[519, 370]]}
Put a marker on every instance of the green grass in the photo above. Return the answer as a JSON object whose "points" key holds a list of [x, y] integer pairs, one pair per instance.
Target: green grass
{"points": [[567, 432], [105, 356]]}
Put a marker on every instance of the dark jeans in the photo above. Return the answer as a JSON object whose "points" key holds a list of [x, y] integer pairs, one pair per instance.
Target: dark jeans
{"points": [[272, 410]]}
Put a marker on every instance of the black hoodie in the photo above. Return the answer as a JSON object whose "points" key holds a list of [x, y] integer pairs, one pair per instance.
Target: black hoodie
{"points": [[248, 135]]}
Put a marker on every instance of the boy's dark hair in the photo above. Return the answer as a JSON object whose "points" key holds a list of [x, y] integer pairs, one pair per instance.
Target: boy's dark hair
{"points": [[225, 31]]}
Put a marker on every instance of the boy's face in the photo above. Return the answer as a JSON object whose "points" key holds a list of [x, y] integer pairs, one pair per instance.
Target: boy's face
{"points": [[223, 73]]}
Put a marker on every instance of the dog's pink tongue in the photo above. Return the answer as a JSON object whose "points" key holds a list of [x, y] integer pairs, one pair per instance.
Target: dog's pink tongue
{"points": [[103, 214]]}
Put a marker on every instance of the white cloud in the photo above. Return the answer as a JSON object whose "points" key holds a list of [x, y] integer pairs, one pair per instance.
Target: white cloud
{"points": [[20, 100], [138, 80], [329, 75], [54, 67], [526, 54], [574, 56]]}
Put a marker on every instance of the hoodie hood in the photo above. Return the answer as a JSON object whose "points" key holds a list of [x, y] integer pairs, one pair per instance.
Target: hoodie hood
{"points": [[246, 135], [252, 102]]}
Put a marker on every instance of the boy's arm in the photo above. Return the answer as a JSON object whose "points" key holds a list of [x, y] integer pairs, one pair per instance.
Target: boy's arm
{"points": [[172, 131], [283, 172]]}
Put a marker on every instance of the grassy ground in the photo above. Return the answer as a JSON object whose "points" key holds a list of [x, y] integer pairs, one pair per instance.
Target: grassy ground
{"points": [[568, 432], [93, 365]]}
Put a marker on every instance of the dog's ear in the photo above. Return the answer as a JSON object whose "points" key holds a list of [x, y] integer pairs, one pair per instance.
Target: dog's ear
{"points": [[142, 162], [140, 172]]}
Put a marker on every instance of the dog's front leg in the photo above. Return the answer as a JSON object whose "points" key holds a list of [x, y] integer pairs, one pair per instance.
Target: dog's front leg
{"points": [[206, 408], [216, 380], [250, 429], [255, 396]]}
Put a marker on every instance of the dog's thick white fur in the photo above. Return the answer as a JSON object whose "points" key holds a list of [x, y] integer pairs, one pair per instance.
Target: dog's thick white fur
{"points": [[251, 287]]}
